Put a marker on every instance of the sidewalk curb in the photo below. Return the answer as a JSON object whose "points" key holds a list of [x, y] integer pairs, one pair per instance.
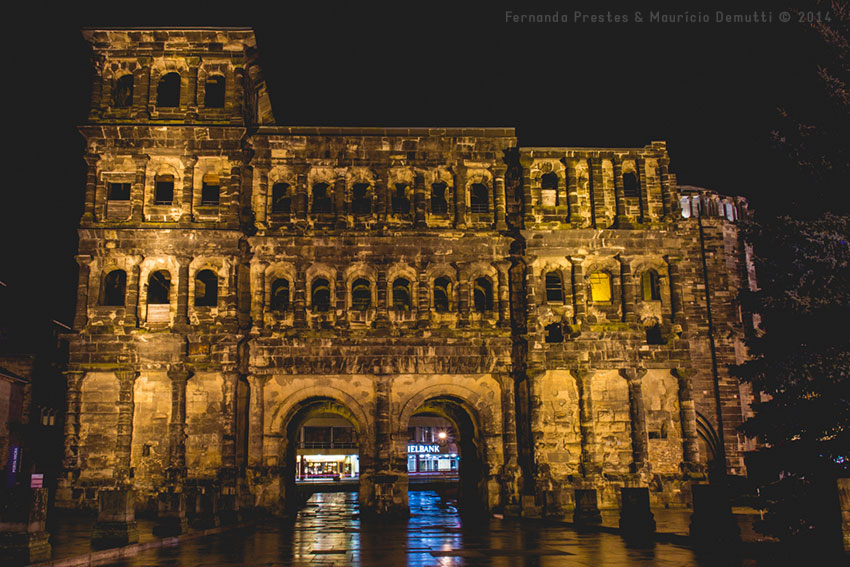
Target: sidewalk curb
{"points": [[112, 554]]}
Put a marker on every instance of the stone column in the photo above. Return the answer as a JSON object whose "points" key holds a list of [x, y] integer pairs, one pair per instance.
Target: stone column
{"points": [[258, 294], [91, 187], [571, 172], [81, 313], [627, 287], [504, 293], [676, 301], [597, 191], [183, 292], [579, 304], [462, 292], [381, 194], [339, 202], [301, 193], [137, 191], [256, 409], [340, 293], [589, 464], [423, 306], [622, 220], [688, 416], [141, 89], [231, 323], [643, 189], [95, 106], [637, 412], [420, 208], [510, 470], [499, 196], [299, 299], [261, 200], [239, 83], [666, 194], [460, 196], [126, 406], [74, 381], [231, 203], [187, 194], [177, 427], [131, 299], [192, 94], [383, 299], [228, 441]]}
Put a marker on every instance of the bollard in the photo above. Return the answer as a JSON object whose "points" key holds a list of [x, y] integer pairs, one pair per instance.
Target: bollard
{"points": [[171, 513], [116, 518], [587, 507], [636, 519], [23, 537], [712, 522]]}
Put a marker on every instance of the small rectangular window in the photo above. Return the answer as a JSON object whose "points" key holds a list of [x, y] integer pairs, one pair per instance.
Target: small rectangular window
{"points": [[210, 194], [119, 192], [164, 193]]}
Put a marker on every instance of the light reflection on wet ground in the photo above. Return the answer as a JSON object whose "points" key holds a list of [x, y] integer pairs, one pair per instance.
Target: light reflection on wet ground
{"points": [[328, 532]]}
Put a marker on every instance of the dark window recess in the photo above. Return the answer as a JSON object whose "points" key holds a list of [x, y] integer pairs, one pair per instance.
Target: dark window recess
{"points": [[122, 94], [554, 333], [281, 199], [361, 295], [439, 204], [164, 190], [442, 288], [482, 295], [554, 289], [401, 200], [159, 286], [206, 289], [168, 91], [321, 200], [479, 201], [401, 295], [549, 182], [320, 295], [653, 335], [649, 286], [630, 186], [114, 285], [214, 92], [280, 295], [210, 190], [119, 192], [361, 199]]}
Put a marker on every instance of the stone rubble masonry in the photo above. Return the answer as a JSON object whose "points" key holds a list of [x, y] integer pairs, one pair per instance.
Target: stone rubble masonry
{"points": [[478, 299]]}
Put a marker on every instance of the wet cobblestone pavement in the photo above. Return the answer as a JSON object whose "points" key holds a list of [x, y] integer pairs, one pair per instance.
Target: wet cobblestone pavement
{"points": [[328, 533]]}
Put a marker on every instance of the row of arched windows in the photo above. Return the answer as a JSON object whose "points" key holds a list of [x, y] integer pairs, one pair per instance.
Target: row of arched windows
{"points": [[163, 193], [549, 182], [168, 91], [159, 288], [601, 290]]}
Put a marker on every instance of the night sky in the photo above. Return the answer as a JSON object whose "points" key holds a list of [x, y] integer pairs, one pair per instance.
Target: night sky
{"points": [[711, 90]]}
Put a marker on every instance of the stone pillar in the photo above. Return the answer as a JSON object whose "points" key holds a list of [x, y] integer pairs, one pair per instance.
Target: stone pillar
{"points": [[23, 526], [261, 201], [177, 427], [299, 299], [579, 304], [637, 523], [126, 406], [460, 196], [627, 286], [228, 441], [589, 464], [137, 190], [637, 413], [509, 474], [423, 304], [499, 196], [597, 191], [339, 203], [587, 507], [666, 193], [462, 293], [256, 410], [91, 187], [95, 106], [844, 505], [504, 294], [571, 172], [676, 301], [74, 381], [622, 221], [192, 88], [258, 294], [383, 299], [188, 190], [131, 299], [301, 193], [687, 412], [340, 293], [230, 211], [381, 194], [116, 518], [643, 189], [81, 313], [231, 296], [229, 473], [239, 83], [420, 208], [183, 292], [389, 479], [141, 89]]}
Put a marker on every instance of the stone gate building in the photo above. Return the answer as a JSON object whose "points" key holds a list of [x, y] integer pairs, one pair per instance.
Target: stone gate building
{"points": [[570, 310]]}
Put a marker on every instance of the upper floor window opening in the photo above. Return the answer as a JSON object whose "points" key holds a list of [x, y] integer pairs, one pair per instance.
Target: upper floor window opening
{"points": [[649, 286], [164, 190], [482, 295], [361, 295], [210, 190], [600, 287], [554, 333], [439, 204], [321, 199], [442, 293], [554, 288], [361, 199], [168, 91], [401, 199], [281, 198], [320, 296], [630, 185], [549, 184], [122, 92], [114, 287], [401, 294], [479, 200], [206, 289], [119, 192], [280, 295], [214, 92], [159, 288]]}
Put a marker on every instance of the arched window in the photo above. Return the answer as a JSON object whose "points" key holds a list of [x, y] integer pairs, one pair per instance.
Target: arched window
{"points": [[479, 200], [439, 204], [649, 286], [630, 186], [163, 190], [122, 92], [214, 92], [442, 292], [168, 91], [685, 202], [482, 295], [600, 287], [361, 295], [554, 288], [159, 288], [280, 295], [401, 294], [320, 296], [210, 190], [401, 199], [361, 199], [114, 286], [321, 199], [549, 189], [554, 333], [206, 289], [281, 199]]}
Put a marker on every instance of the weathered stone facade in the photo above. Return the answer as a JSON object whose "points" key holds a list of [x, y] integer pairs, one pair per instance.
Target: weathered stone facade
{"points": [[238, 278]]}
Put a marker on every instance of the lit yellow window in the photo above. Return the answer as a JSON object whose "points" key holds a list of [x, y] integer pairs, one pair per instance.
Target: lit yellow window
{"points": [[600, 287]]}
